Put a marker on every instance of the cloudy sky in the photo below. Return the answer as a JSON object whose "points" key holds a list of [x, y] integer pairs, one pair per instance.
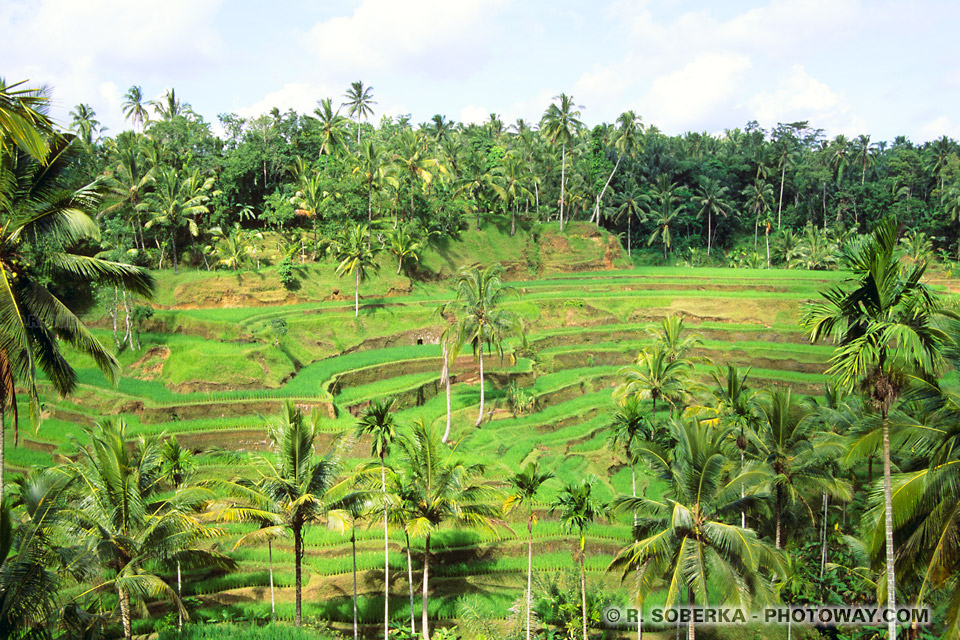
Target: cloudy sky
{"points": [[884, 67]]}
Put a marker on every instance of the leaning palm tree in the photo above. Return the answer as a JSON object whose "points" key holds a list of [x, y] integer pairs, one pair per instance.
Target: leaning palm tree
{"points": [[524, 487], [482, 322], [627, 140], [578, 507], [359, 103], [559, 123], [133, 528], [356, 256], [684, 537], [444, 490], [882, 323], [377, 422], [41, 221]]}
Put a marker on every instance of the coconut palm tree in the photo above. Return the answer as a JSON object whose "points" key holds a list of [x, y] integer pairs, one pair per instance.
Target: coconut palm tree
{"points": [[177, 199], [759, 195], [628, 426], [169, 106], [121, 511], [37, 211], [444, 490], [129, 182], [632, 205], [134, 109], [684, 537], [578, 506], [712, 198], [373, 167], [404, 245], [377, 422], [309, 199], [355, 256], [882, 323], [24, 122], [359, 103], [84, 123], [415, 160], [655, 376], [333, 128], [482, 322], [560, 122], [676, 341], [664, 212], [627, 140], [524, 487]]}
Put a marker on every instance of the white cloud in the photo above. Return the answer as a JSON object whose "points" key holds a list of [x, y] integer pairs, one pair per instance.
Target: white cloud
{"points": [[434, 37], [685, 98], [799, 96], [299, 96], [474, 114], [939, 127]]}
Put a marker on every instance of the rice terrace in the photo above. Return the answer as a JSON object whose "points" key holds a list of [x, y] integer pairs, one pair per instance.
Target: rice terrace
{"points": [[304, 360]]}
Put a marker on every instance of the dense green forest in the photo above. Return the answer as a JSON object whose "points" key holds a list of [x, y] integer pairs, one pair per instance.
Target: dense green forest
{"points": [[780, 434]]}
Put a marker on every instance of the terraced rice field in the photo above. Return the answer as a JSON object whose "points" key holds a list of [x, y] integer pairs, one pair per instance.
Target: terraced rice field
{"points": [[211, 375]]}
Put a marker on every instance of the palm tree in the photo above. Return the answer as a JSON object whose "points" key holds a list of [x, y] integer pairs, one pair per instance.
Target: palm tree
{"points": [[864, 153], [177, 199], [345, 514], [482, 321], [359, 103], [759, 195], [403, 245], [655, 376], [676, 341], [309, 199], [628, 426], [559, 123], [373, 168], [665, 212], [796, 455], [378, 423], [356, 256], [443, 490], [333, 128], [685, 538], [882, 323], [37, 210], [131, 527], [632, 204], [525, 485], [84, 123], [129, 182], [712, 198], [23, 120], [414, 159], [133, 106], [627, 140], [302, 487], [578, 507], [169, 106], [513, 172]]}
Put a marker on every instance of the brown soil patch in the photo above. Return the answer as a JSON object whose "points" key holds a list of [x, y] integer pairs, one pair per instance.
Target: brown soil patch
{"points": [[150, 366]]}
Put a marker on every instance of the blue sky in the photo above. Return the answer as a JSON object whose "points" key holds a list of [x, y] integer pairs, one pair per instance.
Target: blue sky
{"points": [[886, 67]]}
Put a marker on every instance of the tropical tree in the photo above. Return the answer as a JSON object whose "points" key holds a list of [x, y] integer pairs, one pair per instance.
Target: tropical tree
{"points": [[42, 222], [169, 106], [415, 160], [655, 376], [664, 213], [684, 537], [134, 108], [560, 122], [444, 489], [712, 198], [130, 525], [309, 198], [627, 140], [377, 422], [24, 122], [482, 322], [403, 245], [355, 256], [177, 199], [882, 323], [524, 487], [577, 507], [759, 195], [676, 340], [373, 167], [632, 203], [84, 123], [359, 103], [333, 128]]}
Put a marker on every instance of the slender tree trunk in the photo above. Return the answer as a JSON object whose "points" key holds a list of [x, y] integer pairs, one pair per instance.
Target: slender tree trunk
{"points": [[783, 175], [633, 489], [356, 294], [583, 584], [128, 336], [480, 416], [823, 549], [179, 597], [563, 175], [529, 568], [743, 514], [888, 531], [113, 312], [386, 552], [370, 205], [779, 507], [297, 570], [125, 616], [424, 621], [605, 185], [399, 265], [629, 234], [173, 251], [536, 192], [413, 617], [756, 231], [709, 232], [691, 628], [353, 543], [3, 438], [273, 600], [445, 374], [513, 222], [767, 236]]}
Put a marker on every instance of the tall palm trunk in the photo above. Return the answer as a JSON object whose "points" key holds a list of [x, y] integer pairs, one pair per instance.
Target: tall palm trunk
{"points": [[480, 416], [273, 600], [691, 629], [629, 235], [888, 530], [413, 625], [297, 569], [783, 175], [125, 614], [529, 567], [583, 584], [173, 251], [3, 424], [779, 507], [606, 184], [179, 597], [356, 294], [370, 205], [633, 487], [823, 549], [445, 374], [353, 544], [563, 175], [386, 552], [709, 232], [424, 621]]}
